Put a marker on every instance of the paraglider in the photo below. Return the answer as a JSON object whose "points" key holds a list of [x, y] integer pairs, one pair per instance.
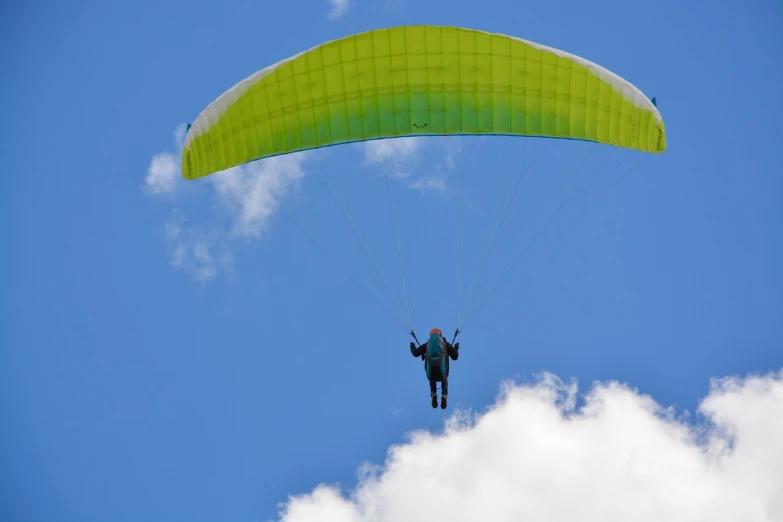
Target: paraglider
{"points": [[436, 352], [420, 81]]}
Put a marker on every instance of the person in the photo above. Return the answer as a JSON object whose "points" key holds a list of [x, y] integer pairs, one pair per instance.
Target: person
{"points": [[436, 353]]}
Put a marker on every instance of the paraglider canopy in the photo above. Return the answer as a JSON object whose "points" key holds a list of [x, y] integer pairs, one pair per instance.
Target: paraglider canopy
{"points": [[419, 81]]}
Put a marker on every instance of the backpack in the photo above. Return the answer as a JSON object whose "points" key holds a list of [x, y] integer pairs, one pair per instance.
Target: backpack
{"points": [[436, 356]]}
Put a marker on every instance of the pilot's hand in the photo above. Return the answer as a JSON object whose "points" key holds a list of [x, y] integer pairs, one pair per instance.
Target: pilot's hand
{"points": [[413, 346], [456, 346]]}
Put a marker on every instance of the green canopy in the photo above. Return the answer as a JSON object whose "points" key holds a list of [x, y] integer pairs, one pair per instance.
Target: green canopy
{"points": [[419, 81]]}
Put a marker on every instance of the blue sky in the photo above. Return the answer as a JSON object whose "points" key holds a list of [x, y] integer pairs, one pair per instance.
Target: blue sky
{"points": [[179, 351]]}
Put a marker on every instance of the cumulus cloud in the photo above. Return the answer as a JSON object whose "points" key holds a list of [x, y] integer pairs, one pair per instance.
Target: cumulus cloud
{"points": [[536, 455], [338, 8]]}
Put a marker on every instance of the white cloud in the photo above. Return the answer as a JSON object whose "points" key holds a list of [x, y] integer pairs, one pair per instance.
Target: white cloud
{"points": [[179, 135], [195, 252], [163, 173], [338, 8], [448, 163], [396, 157], [437, 182], [402, 158], [253, 192], [536, 456]]}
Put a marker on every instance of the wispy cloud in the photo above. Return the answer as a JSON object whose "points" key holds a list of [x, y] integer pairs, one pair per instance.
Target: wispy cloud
{"points": [[404, 158], [436, 182], [250, 194], [620, 453], [253, 192], [447, 162], [163, 174], [179, 135], [338, 8], [395, 156], [201, 255]]}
